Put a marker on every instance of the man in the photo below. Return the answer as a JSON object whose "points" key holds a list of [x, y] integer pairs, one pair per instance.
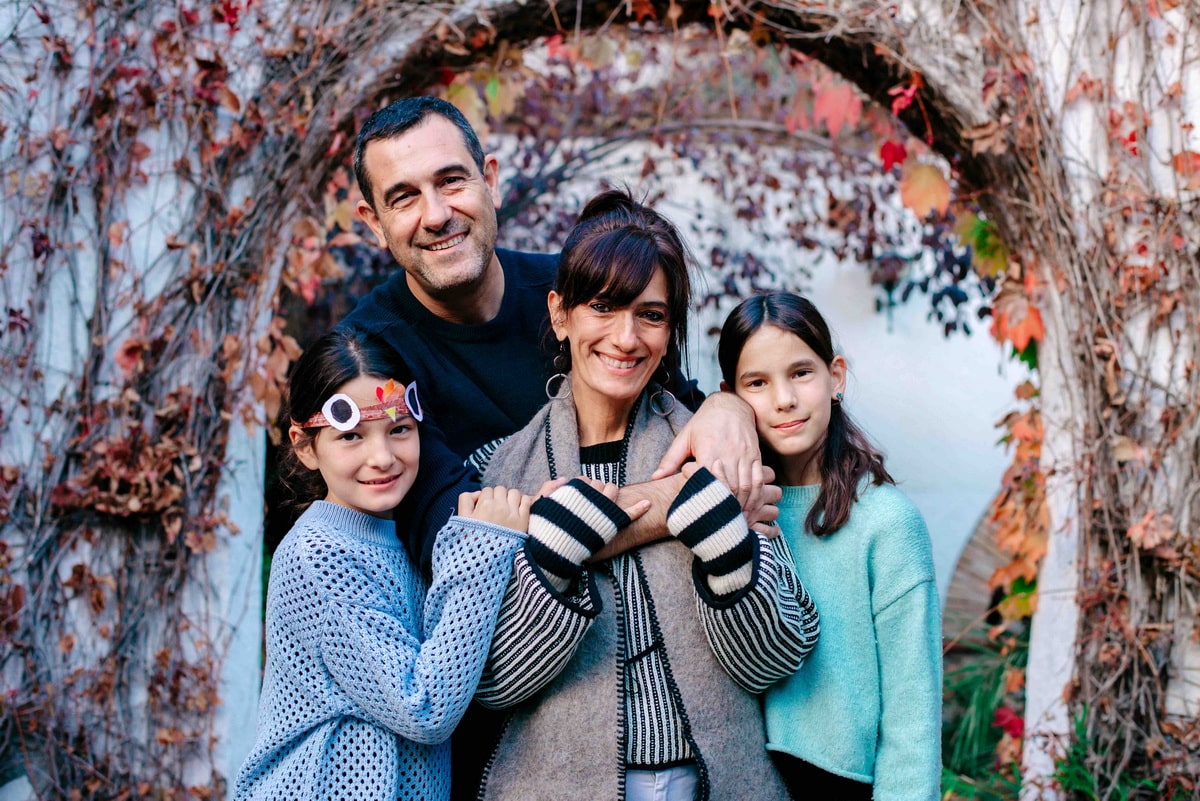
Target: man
{"points": [[469, 319]]}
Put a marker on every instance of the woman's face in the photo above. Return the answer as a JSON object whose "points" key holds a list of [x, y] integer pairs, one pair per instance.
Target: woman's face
{"points": [[614, 351]]}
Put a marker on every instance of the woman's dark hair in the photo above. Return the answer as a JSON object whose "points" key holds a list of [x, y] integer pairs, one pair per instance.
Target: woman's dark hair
{"points": [[328, 364], [847, 454], [612, 253]]}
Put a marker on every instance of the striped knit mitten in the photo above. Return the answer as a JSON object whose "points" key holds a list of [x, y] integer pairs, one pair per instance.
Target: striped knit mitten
{"points": [[568, 527], [707, 518]]}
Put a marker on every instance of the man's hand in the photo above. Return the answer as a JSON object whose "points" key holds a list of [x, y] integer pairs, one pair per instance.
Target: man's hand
{"points": [[721, 430]]}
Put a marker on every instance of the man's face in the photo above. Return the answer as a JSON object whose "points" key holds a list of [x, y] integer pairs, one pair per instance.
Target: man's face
{"points": [[433, 209]]}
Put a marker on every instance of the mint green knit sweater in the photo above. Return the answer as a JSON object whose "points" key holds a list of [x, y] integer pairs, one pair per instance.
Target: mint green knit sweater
{"points": [[867, 703]]}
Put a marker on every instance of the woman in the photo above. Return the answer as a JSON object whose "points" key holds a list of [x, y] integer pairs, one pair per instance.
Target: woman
{"points": [[673, 719]]}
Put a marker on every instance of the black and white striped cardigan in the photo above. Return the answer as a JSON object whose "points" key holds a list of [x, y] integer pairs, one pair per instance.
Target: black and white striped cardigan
{"points": [[758, 636]]}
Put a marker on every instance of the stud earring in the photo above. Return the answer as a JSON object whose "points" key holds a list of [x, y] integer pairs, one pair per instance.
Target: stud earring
{"points": [[837, 399]]}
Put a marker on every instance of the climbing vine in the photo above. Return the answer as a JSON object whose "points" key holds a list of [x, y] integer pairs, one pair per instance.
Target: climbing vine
{"points": [[167, 167]]}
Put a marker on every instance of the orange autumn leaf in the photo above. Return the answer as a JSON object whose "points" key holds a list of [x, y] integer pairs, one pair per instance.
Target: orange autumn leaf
{"points": [[1152, 530], [116, 233], [924, 189], [1187, 164], [1015, 318], [1030, 327], [1027, 427]]}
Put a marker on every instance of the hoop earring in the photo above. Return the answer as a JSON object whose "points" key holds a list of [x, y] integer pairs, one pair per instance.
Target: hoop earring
{"points": [[662, 402], [562, 360], [564, 381]]}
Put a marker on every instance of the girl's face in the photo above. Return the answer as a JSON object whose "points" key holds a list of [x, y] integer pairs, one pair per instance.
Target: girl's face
{"points": [[369, 468], [614, 351], [791, 392]]}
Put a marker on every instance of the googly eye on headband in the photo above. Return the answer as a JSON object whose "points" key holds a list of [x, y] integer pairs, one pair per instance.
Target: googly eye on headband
{"points": [[342, 413]]}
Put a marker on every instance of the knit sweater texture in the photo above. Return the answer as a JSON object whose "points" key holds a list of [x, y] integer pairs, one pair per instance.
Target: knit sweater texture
{"points": [[867, 703], [367, 674], [583, 701]]}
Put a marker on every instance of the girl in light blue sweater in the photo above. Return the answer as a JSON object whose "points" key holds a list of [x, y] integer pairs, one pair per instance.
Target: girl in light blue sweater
{"points": [[862, 718], [367, 671]]}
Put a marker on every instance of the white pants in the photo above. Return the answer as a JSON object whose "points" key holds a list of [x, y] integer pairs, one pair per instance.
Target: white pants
{"points": [[669, 784]]}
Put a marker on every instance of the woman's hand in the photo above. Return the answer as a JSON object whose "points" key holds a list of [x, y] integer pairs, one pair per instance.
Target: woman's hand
{"points": [[610, 491], [497, 505]]}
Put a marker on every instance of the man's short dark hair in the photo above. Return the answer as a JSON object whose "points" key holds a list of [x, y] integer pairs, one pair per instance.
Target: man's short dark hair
{"points": [[396, 120]]}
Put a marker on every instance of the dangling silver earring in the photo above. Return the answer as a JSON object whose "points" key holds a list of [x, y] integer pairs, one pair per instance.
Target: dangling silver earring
{"points": [[562, 360], [564, 381], [662, 402], [561, 363], [837, 399]]}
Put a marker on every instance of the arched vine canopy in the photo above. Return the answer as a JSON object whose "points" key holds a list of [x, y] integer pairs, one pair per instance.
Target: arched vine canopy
{"points": [[169, 167]]}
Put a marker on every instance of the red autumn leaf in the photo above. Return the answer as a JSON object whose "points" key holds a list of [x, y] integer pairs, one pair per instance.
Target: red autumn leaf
{"points": [[902, 97], [838, 106], [892, 153], [1010, 721], [129, 354], [643, 9]]}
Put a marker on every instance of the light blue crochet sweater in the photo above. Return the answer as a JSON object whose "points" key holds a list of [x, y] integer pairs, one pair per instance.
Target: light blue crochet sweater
{"points": [[867, 703], [366, 674]]}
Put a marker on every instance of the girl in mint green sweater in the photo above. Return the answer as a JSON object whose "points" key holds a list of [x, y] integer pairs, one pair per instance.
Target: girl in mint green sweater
{"points": [[862, 717]]}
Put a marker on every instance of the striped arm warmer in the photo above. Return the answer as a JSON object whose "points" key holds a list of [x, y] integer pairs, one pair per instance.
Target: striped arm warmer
{"points": [[768, 632], [706, 518], [567, 527]]}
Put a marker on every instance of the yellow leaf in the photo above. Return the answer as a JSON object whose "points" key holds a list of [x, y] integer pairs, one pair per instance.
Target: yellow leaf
{"points": [[1018, 605], [342, 217], [503, 94], [464, 97], [1125, 449], [597, 51], [924, 189]]}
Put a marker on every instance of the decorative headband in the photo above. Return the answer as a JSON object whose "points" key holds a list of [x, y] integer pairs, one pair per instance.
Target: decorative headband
{"points": [[342, 413]]}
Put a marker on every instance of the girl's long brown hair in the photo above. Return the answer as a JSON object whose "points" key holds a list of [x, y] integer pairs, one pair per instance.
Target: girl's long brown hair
{"points": [[847, 454]]}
